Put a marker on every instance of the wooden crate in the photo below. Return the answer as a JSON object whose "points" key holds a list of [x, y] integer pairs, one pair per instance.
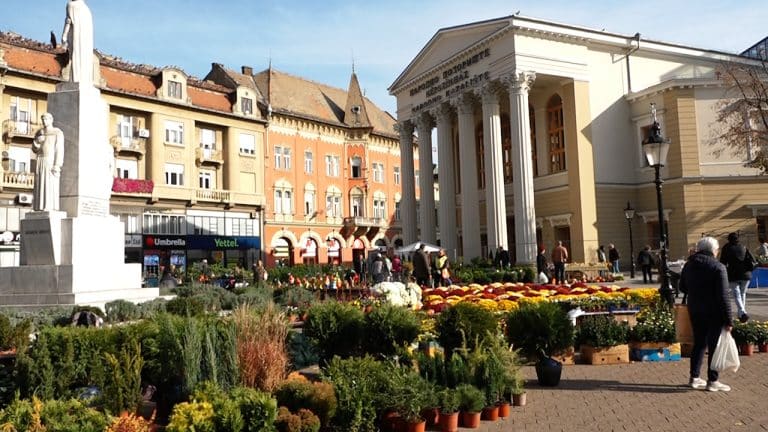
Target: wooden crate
{"points": [[566, 357], [654, 351], [618, 354]]}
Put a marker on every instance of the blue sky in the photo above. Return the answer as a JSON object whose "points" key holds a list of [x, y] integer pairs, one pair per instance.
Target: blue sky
{"points": [[319, 39]]}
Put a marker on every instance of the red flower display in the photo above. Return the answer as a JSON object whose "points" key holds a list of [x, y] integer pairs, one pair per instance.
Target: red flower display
{"points": [[124, 185]]}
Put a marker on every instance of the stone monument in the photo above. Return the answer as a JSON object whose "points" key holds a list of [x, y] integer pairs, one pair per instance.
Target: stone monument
{"points": [[72, 249]]}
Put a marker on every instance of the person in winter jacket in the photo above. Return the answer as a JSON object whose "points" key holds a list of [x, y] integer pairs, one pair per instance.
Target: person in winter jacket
{"points": [[740, 264], [705, 281]]}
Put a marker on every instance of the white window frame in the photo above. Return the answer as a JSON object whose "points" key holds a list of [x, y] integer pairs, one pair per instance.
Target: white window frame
{"points": [[308, 161], [175, 89], [379, 208], [282, 158], [21, 114], [396, 171], [309, 202], [174, 132], [378, 172], [333, 204], [332, 165], [357, 204], [207, 179], [19, 159], [127, 169], [246, 105], [247, 144], [174, 174]]}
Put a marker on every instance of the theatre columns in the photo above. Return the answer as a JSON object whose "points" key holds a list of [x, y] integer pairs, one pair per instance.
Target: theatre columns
{"points": [[470, 207], [408, 203], [446, 179], [495, 204], [525, 214], [426, 180]]}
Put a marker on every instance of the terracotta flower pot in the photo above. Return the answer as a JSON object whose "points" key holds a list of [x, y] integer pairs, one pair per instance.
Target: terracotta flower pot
{"points": [[519, 399], [407, 426], [746, 349], [490, 413], [504, 409], [449, 422], [389, 421], [763, 348], [470, 420], [431, 415]]}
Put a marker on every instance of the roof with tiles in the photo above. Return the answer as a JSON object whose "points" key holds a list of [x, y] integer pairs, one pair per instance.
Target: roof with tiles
{"points": [[309, 99], [29, 55]]}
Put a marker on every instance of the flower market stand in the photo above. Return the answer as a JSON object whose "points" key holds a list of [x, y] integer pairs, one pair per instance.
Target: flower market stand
{"points": [[654, 351]]}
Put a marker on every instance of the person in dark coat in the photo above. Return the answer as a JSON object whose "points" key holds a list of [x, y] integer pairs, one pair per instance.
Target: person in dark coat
{"points": [[421, 266], [739, 263], [705, 281], [613, 258], [541, 262], [645, 261]]}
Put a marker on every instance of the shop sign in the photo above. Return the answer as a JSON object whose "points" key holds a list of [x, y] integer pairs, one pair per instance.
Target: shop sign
{"points": [[223, 242], [133, 240], [164, 242]]}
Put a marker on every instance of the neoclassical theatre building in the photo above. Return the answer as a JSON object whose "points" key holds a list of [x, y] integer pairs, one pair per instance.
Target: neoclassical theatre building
{"points": [[539, 127]]}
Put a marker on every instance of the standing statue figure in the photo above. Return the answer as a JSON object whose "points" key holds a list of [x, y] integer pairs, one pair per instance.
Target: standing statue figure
{"points": [[77, 39], [48, 145]]}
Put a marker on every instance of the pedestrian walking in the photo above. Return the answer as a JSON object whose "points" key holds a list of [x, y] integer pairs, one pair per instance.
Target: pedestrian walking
{"points": [[541, 266], [645, 261], [559, 258], [705, 281], [444, 266], [421, 266], [739, 263], [601, 254], [613, 257]]}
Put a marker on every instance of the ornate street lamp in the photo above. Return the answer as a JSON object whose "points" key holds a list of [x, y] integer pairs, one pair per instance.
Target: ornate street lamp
{"points": [[629, 214], [656, 148]]}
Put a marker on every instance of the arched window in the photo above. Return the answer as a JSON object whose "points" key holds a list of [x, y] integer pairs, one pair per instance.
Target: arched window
{"points": [[379, 205], [357, 166], [333, 202], [556, 134], [283, 203], [309, 200], [356, 202]]}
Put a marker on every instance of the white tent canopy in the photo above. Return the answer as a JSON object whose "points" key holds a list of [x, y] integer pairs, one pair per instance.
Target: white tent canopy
{"points": [[415, 246]]}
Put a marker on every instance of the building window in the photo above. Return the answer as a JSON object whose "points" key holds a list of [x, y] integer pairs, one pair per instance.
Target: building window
{"points": [[357, 167], [379, 207], [19, 159], [155, 223], [282, 158], [309, 202], [125, 129], [556, 134], [378, 172], [397, 211], [174, 174], [174, 89], [308, 161], [357, 203], [333, 204], [416, 177], [332, 166], [174, 132], [207, 179], [247, 144], [127, 169], [21, 114], [506, 156], [534, 157], [283, 198], [246, 105], [397, 175]]}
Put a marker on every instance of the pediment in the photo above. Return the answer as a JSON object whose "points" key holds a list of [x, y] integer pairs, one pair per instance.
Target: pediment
{"points": [[446, 44]]}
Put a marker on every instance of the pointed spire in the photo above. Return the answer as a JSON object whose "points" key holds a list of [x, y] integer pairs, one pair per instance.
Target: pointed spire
{"points": [[355, 112]]}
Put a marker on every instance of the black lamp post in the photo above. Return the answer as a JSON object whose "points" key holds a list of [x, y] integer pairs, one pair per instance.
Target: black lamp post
{"points": [[656, 148], [629, 214]]}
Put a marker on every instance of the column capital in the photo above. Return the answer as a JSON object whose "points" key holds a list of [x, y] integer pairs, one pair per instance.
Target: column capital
{"points": [[404, 127], [442, 113], [519, 81], [489, 92], [424, 121], [465, 103]]}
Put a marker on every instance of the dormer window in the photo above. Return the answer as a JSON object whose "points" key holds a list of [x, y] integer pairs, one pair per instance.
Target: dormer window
{"points": [[246, 104], [174, 90]]}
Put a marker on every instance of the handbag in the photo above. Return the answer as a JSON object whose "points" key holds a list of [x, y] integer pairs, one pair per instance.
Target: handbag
{"points": [[726, 355]]}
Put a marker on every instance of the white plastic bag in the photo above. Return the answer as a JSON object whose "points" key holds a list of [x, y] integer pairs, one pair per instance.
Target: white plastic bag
{"points": [[542, 278], [726, 355]]}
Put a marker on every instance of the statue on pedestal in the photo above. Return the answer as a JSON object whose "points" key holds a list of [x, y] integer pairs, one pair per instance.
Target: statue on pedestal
{"points": [[77, 39], [48, 145]]}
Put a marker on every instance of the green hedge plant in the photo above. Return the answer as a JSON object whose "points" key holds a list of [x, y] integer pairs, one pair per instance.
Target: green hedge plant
{"points": [[540, 329], [465, 324], [600, 331]]}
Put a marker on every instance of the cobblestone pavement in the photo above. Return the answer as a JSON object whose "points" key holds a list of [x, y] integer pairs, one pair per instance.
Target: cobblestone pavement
{"points": [[642, 397]]}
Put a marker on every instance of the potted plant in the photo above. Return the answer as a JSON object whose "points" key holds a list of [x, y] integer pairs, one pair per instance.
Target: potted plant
{"points": [[603, 340], [518, 391], [410, 394], [471, 402], [762, 337], [465, 324], [448, 400], [540, 330], [653, 337], [746, 336]]}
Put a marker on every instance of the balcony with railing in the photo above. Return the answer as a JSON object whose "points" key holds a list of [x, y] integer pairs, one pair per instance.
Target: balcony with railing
{"points": [[360, 225], [208, 155], [18, 128], [129, 145], [155, 193], [18, 180]]}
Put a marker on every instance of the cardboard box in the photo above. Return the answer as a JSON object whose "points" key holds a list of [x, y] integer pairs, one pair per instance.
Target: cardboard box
{"points": [[655, 351], [618, 354]]}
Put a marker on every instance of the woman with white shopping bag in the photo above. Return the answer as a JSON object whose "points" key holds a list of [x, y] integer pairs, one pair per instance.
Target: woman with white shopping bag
{"points": [[704, 280]]}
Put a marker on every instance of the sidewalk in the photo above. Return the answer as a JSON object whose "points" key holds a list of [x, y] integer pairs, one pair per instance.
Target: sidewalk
{"points": [[641, 397]]}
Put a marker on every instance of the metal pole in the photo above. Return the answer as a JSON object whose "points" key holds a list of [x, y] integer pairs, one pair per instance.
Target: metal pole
{"points": [[665, 290], [631, 251]]}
